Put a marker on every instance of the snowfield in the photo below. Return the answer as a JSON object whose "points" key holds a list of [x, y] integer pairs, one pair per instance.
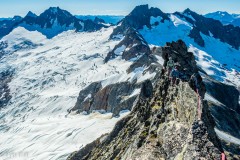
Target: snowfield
{"points": [[217, 59], [48, 76]]}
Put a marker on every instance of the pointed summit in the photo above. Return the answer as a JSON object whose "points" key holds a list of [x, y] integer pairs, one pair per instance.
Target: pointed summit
{"points": [[56, 12], [188, 11], [31, 14]]}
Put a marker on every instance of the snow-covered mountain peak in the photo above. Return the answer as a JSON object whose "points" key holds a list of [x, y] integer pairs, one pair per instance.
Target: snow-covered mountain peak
{"points": [[225, 17]]}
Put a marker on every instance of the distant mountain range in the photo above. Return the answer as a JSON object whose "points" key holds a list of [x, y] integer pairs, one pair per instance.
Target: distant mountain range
{"points": [[225, 17], [50, 23], [1, 19], [106, 18]]}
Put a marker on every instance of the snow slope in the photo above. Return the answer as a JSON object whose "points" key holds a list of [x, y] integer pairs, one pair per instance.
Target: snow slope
{"points": [[218, 59], [49, 73]]}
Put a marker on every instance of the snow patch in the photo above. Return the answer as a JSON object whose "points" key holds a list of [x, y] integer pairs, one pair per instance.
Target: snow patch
{"points": [[189, 16], [160, 59], [153, 20], [88, 96], [226, 137], [177, 21], [119, 51]]}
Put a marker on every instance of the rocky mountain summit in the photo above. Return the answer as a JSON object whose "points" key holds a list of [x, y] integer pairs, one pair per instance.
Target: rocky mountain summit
{"points": [[166, 125]]}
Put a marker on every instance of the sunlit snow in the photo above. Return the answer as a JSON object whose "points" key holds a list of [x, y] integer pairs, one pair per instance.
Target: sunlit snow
{"points": [[48, 76]]}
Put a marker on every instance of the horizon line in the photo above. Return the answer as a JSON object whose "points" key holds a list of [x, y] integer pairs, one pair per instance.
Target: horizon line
{"points": [[23, 15]]}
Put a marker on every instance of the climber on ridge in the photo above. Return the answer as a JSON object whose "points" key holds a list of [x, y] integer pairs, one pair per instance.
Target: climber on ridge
{"points": [[170, 65], [174, 75], [195, 79]]}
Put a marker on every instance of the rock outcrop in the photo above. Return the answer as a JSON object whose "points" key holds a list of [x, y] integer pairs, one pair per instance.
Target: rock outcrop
{"points": [[139, 17], [98, 20], [3, 45], [164, 125], [5, 78], [132, 47], [112, 98]]}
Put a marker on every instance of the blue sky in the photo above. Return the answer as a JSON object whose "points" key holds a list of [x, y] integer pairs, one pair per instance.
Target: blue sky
{"points": [[9, 8]]}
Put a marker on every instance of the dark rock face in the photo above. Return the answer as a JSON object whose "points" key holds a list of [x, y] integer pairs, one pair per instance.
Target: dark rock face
{"points": [[186, 61], [3, 45], [112, 98], [195, 34], [139, 17], [225, 109], [220, 91], [31, 14], [147, 89], [98, 20], [135, 49], [6, 26], [91, 26], [228, 33], [85, 97], [134, 46], [5, 78], [162, 126]]}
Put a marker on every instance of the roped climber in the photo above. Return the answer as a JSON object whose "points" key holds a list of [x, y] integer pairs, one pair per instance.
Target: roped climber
{"points": [[195, 82], [174, 75]]}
